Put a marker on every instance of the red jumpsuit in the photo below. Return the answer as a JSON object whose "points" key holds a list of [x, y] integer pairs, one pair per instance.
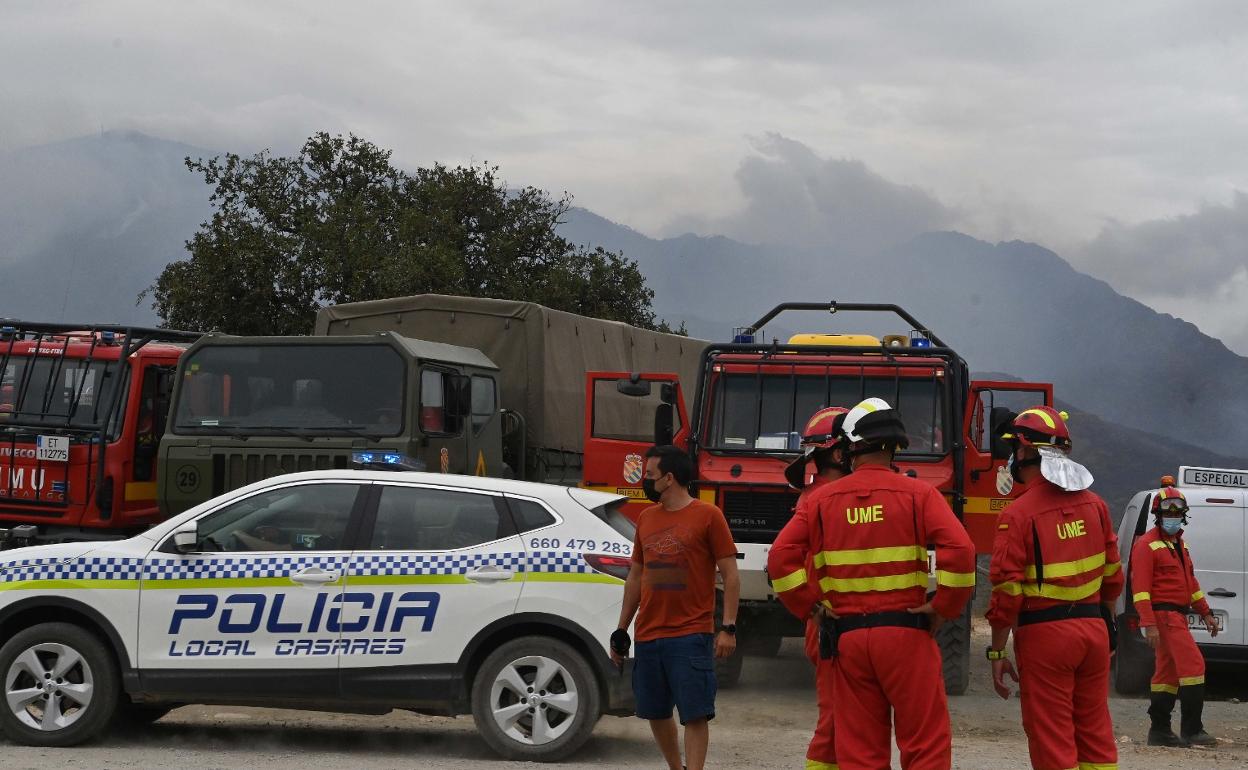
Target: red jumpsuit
{"points": [[870, 532], [1056, 553], [1162, 574], [791, 568]]}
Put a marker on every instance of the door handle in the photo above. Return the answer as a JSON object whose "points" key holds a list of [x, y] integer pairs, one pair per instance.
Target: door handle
{"points": [[314, 576], [489, 575], [1222, 593]]}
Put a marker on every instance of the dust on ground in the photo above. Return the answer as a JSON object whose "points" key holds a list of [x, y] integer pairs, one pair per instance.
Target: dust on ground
{"points": [[763, 723]]}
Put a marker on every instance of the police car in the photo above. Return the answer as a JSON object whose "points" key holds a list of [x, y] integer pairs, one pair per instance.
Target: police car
{"points": [[353, 591], [1216, 534]]}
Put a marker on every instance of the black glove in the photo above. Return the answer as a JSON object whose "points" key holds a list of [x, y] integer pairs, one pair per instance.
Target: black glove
{"points": [[621, 642]]}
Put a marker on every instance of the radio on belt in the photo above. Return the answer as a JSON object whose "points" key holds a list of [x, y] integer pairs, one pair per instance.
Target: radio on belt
{"points": [[1192, 476]]}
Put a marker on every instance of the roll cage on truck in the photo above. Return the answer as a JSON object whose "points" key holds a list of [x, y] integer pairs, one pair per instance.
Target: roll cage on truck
{"points": [[82, 407], [749, 405]]}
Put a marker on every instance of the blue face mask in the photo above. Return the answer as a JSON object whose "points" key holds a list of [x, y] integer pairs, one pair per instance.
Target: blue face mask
{"points": [[1171, 526]]}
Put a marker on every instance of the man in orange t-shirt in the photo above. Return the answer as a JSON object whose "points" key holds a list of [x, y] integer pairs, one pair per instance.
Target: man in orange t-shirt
{"points": [[679, 545]]}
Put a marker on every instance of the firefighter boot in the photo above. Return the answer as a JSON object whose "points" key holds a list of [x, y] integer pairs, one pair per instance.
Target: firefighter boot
{"points": [[1160, 733], [1191, 707]]}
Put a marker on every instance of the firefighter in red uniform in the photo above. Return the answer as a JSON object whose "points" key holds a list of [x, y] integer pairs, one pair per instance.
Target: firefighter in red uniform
{"points": [[1164, 590], [791, 567], [869, 542], [1055, 568]]}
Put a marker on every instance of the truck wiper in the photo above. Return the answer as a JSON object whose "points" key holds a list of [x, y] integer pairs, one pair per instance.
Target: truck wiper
{"points": [[346, 429]]}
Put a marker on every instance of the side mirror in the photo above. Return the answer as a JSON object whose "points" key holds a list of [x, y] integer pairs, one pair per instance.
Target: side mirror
{"points": [[459, 396], [997, 420], [634, 386], [663, 424], [667, 393], [186, 539]]}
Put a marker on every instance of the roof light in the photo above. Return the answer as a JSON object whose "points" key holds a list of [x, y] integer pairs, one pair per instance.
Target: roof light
{"points": [[743, 335], [386, 461], [108, 337]]}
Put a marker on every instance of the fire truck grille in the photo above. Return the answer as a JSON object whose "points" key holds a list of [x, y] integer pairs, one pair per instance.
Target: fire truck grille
{"points": [[238, 469], [757, 517]]}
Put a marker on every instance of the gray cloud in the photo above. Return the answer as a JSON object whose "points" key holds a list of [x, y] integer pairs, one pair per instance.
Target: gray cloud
{"points": [[794, 197]]}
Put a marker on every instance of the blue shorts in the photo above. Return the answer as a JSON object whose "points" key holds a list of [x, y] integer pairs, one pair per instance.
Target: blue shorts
{"points": [[678, 671]]}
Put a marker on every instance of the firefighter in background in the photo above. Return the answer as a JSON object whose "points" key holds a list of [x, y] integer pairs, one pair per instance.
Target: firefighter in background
{"points": [[1165, 590], [1055, 567], [869, 546], [791, 566]]}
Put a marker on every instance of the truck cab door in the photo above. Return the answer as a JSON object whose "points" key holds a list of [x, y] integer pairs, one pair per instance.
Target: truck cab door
{"points": [[626, 414], [988, 487]]}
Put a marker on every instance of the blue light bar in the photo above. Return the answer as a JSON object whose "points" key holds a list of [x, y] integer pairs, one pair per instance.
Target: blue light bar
{"points": [[920, 342], [108, 337], [382, 460]]}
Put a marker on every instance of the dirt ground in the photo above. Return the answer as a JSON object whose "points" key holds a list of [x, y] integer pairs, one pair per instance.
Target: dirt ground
{"points": [[764, 723]]}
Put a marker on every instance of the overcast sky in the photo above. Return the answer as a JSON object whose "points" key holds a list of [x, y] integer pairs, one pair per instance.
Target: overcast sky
{"points": [[1114, 133]]}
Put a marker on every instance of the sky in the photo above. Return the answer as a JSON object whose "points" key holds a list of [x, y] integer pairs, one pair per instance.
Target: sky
{"points": [[1110, 132]]}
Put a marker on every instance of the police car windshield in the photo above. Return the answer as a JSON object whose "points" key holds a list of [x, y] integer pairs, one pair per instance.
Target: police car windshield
{"points": [[765, 413], [294, 390], [56, 391]]}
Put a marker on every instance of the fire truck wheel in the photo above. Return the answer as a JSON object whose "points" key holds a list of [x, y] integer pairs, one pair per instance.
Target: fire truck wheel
{"points": [[728, 670], [954, 638], [60, 684], [535, 699]]}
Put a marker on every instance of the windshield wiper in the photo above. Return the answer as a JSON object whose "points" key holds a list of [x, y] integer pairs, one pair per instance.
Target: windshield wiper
{"points": [[347, 429]]}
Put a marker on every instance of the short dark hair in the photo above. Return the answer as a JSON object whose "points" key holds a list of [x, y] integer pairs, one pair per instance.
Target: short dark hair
{"points": [[674, 461]]}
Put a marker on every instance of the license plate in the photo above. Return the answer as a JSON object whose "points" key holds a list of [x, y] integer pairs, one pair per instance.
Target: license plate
{"points": [[1194, 622], [52, 449]]}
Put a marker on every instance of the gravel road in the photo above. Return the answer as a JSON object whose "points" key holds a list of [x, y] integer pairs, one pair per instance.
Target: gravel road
{"points": [[764, 723]]}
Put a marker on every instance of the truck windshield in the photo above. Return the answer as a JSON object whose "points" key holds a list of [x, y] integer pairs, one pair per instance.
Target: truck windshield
{"points": [[757, 412], [293, 390], [53, 391]]}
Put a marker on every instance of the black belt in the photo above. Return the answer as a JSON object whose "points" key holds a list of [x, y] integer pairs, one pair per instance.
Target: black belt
{"points": [[1060, 612], [1168, 607], [847, 623]]}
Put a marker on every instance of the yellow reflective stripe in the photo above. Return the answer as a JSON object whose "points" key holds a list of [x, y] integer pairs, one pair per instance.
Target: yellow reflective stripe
{"points": [[955, 579], [1043, 415], [814, 764], [1112, 568], [1142, 596], [1165, 688], [1157, 545], [1009, 587], [1097, 766], [1188, 681], [790, 581], [1061, 569], [866, 584], [1063, 593], [871, 556], [1198, 596]]}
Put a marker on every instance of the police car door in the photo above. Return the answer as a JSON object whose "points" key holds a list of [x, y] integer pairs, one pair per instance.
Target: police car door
{"points": [[262, 592], [436, 566]]}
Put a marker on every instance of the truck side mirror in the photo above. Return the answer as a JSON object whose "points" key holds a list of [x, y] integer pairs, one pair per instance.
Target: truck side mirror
{"points": [[459, 395], [663, 425], [633, 386], [186, 539], [997, 420], [667, 393]]}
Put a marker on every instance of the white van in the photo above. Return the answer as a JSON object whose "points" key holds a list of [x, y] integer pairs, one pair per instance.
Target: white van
{"points": [[1217, 536]]}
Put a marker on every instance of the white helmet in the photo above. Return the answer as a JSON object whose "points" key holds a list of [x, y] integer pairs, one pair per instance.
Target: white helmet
{"points": [[873, 421]]}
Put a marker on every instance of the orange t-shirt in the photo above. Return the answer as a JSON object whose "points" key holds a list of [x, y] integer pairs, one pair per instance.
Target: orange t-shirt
{"points": [[677, 551]]}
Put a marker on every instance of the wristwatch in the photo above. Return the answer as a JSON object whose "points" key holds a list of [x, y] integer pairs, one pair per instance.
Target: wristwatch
{"points": [[729, 628], [1002, 654]]}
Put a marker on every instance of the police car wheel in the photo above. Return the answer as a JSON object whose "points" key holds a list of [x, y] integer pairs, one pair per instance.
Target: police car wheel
{"points": [[535, 699], [60, 684]]}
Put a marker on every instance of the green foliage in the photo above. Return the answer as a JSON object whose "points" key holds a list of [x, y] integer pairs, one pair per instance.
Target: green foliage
{"points": [[338, 223]]}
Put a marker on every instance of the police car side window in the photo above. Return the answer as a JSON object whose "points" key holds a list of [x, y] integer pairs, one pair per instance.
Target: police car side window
{"points": [[529, 515], [420, 519], [308, 517]]}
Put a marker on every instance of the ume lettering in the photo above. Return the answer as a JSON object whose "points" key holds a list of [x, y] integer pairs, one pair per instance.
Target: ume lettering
{"points": [[864, 515], [1071, 529]]}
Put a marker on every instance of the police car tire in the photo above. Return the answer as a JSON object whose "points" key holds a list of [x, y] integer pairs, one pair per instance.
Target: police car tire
{"points": [[105, 686], [589, 707]]}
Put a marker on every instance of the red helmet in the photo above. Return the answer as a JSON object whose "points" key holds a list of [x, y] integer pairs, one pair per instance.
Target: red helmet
{"points": [[1169, 499], [1039, 426], [822, 431]]}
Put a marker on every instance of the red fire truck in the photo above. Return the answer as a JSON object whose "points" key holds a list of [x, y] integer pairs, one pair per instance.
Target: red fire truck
{"points": [[82, 409], [749, 404]]}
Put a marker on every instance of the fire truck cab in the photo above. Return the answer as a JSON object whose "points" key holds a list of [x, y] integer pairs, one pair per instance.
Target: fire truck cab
{"points": [[749, 405], [82, 409]]}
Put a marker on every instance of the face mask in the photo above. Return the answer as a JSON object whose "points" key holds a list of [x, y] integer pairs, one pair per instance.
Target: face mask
{"points": [[652, 494], [1171, 526]]}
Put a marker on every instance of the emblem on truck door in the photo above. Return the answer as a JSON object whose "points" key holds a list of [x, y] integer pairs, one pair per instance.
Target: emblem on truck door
{"points": [[1005, 482], [634, 466]]}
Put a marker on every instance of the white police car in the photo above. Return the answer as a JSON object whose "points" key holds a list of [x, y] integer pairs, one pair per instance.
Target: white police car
{"points": [[354, 591]]}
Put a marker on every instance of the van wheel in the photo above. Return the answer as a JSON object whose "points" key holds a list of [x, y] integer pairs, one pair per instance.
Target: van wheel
{"points": [[60, 684], [535, 699]]}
